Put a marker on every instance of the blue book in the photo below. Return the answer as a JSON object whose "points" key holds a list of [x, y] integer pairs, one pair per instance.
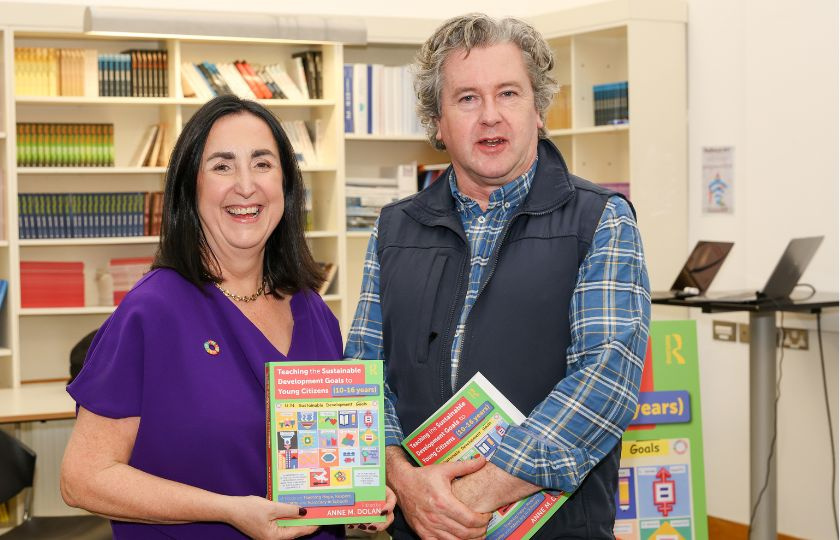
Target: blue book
{"points": [[348, 98], [4, 285]]}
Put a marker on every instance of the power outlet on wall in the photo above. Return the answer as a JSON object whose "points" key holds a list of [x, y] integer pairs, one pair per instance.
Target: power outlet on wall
{"points": [[723, 331], [794, 338]]}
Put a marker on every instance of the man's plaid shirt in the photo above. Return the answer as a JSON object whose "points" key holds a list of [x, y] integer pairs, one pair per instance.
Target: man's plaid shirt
{"points": [[583, 417]]}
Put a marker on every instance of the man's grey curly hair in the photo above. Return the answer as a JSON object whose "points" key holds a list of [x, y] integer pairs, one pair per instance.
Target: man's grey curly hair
{"points": [[479, 30]]}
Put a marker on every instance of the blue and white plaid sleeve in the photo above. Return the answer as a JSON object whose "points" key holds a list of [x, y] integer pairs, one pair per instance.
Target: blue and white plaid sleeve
{"points": [[585, 414], [365, 339]]}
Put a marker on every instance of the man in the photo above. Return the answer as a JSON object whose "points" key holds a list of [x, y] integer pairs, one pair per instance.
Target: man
{"points": [[510, 266]]}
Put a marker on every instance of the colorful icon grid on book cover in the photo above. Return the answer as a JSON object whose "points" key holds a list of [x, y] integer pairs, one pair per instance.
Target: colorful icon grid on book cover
{"points": [[325, 435]]}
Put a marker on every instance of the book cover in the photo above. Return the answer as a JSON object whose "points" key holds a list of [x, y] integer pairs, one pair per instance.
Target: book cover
{"points": [[329, 269], [470, 424], [142, 155], [325, 439], [348, 98], [4, 285]]}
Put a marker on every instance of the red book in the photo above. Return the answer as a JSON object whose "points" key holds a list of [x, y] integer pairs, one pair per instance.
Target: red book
{"points": [[52, 284], [264, 89], [248, 79]]}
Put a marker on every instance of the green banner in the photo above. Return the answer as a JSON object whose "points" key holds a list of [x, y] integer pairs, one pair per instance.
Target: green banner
{"points": [[661, 489]]}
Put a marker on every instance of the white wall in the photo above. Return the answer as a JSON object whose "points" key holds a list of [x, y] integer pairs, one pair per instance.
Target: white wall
{"points": [[763, 78]]}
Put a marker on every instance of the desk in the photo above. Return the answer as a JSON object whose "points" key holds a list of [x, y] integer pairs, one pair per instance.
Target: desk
{"points": [[762, 390], [36, 401]]}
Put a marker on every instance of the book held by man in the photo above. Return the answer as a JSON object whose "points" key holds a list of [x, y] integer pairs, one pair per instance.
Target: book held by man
{"points": [[325, 439], [470, 424]]}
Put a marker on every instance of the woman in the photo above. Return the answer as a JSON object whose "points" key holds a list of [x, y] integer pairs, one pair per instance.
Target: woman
{"points": [[169, 440]]}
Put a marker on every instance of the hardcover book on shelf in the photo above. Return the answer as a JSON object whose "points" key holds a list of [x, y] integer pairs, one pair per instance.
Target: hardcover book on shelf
{"points": [[152, 161], [472, 423], [45, 284], [283, 80], [325, 439], [611, 103], [298, 74], [329, 269], [125, 273], [311, 62], [559, 115], [142, 156]]}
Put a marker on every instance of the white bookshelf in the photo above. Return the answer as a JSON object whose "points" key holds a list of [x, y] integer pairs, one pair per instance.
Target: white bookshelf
{"points": [[639, 41], [30, 357], [618, 40]]}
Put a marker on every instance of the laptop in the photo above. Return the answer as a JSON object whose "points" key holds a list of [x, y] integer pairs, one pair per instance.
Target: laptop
{"points": [[699, 270], [784, 278]]}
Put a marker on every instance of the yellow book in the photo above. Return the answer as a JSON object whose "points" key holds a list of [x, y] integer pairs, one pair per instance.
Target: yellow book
{"points": [[52, 69]]}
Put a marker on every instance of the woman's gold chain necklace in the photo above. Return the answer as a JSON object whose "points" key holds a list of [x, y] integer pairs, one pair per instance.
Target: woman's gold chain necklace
{"points": [[238, 298]]}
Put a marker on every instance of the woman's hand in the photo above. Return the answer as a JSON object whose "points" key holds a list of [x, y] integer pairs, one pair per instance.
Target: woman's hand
{"points": [[387, 511], [257, 517]]}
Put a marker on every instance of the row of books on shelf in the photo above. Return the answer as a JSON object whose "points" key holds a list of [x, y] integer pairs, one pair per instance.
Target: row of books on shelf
{"points": [[365, 196], [89, 215], [65, 145], [49, 71], [611, 103], [55, 284], [305, 139], [300, 78], [379, 100], [61, 284]]}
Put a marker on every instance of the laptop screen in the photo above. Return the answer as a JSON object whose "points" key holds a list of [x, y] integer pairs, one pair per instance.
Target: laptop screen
{"points": [[702, 265], [791, 266]]}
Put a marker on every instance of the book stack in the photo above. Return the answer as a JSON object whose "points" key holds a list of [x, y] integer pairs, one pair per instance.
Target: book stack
{"points": [[65, 145], [88, 215], [365, 196], [307, 64], [134, 73], [302, 140], [52, 284], [125, 273], [379, 100], [46, 71], [611, 103], [301, 79], [154, 150], [153, 213]]}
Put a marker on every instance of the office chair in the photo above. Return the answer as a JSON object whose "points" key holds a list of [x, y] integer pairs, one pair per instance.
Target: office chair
{"points": [[17, 470]]}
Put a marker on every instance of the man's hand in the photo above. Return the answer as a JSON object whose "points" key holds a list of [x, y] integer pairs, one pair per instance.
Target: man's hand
{"points": [[490, 488], [425, 496]]}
